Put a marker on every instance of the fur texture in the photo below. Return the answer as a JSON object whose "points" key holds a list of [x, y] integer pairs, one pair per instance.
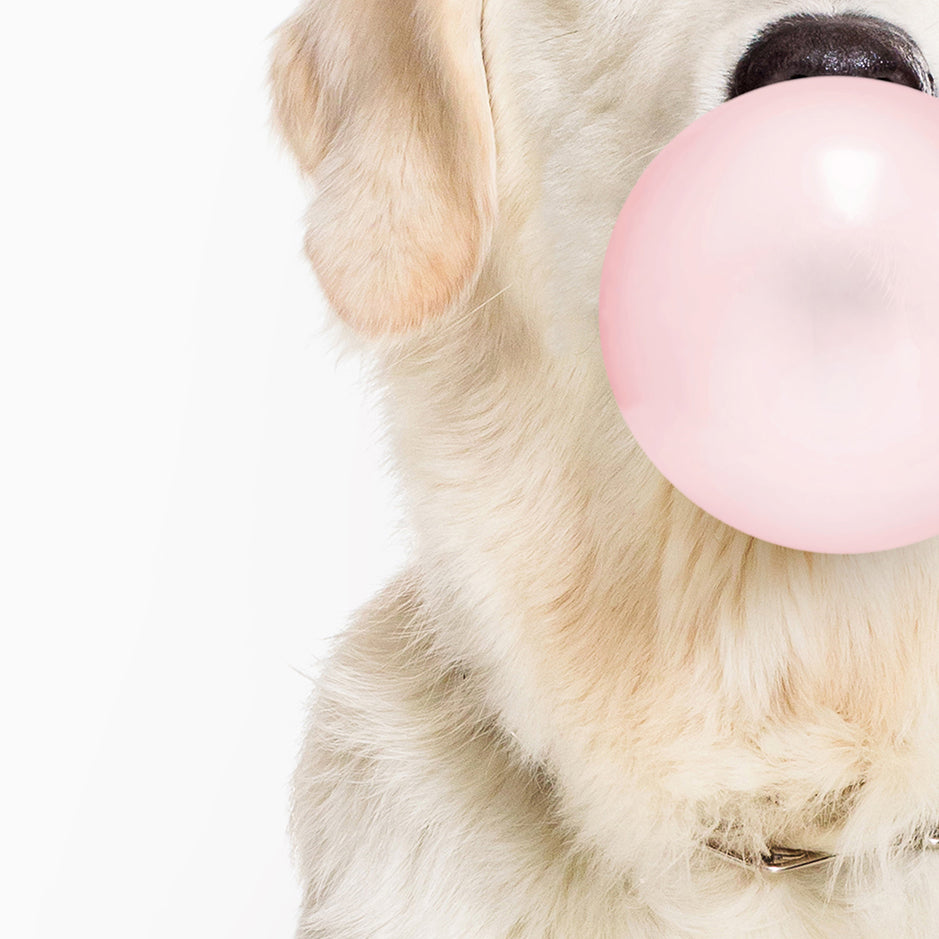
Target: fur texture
{"points": [[582, 677]]}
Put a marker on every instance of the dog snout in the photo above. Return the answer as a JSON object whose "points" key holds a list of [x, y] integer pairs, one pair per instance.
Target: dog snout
{"points": [[807, 45]]}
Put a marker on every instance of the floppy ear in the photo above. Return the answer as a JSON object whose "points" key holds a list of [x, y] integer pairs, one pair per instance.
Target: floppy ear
{"points": [[385, 106]]}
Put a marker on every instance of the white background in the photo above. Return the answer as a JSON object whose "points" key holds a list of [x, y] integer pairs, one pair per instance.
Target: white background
{"points": [[191, 495]]}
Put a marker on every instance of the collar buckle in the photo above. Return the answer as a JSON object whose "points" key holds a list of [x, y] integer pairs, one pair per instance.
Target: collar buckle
{"points": [[776, 861]]}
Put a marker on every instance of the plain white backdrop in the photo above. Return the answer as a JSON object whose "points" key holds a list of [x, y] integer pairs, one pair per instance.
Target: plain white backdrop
{"points": [[192, 497]]}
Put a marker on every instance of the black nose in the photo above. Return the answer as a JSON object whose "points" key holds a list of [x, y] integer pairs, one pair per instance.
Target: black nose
{"points": [[806, 45]]}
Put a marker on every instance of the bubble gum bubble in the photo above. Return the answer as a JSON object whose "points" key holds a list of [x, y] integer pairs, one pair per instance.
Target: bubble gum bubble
{"points": [[769, 314]]}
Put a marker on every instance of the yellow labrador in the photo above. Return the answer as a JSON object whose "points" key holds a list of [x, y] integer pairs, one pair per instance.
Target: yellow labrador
{"points": [[588, 709]]}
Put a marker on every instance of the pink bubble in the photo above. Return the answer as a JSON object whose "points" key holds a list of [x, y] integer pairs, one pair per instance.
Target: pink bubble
{"points": [[769, 314]]}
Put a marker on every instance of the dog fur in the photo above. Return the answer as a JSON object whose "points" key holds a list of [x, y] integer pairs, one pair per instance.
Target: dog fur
{"points": [[581, 677]]}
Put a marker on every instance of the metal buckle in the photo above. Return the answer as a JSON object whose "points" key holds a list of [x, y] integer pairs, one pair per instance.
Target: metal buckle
{"points": [[776, 861], [788, 859]]}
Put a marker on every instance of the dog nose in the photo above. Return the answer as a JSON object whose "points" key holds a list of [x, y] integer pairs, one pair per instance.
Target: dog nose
{"points": [[806, 45]]}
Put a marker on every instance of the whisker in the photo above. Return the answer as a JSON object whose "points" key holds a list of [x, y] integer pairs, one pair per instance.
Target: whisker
{"points": [[642, 154], [570, 32], [493, 297]]}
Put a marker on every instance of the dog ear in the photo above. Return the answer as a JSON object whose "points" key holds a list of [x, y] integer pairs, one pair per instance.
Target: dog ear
{"points": [[385, 106]]}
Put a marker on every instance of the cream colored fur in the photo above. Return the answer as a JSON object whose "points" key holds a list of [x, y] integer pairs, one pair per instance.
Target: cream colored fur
{"points": [[582, 676]]}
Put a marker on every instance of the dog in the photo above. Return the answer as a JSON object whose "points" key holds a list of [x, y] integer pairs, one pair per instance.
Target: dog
{"points": [[586, 708]]}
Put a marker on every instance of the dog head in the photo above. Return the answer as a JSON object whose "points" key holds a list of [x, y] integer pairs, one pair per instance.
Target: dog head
{"points": [[469, 160], [395, 113]]}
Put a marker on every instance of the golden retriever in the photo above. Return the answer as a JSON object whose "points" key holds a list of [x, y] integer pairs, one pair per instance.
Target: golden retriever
{"points": [[588, 708]]}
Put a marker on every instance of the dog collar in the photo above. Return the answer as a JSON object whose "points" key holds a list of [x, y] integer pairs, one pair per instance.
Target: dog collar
{"points": [[778, 859]]}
